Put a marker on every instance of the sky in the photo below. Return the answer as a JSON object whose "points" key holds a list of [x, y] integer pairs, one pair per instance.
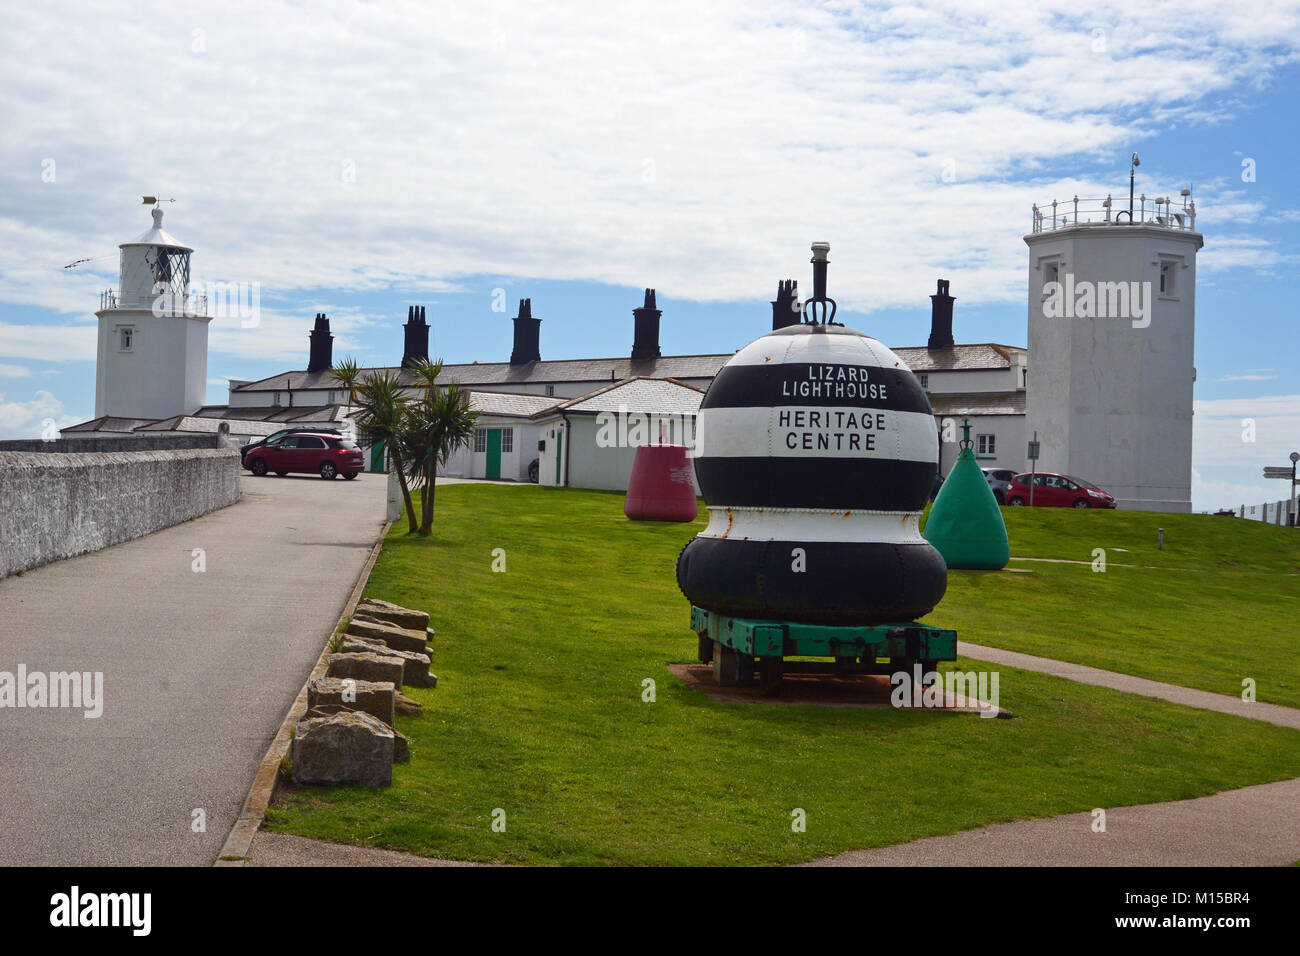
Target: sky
{"points": [[357, 158]]}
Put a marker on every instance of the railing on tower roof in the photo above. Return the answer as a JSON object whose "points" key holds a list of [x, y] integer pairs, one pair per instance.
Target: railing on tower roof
{"points": [[1159, 212], [167, 303]]}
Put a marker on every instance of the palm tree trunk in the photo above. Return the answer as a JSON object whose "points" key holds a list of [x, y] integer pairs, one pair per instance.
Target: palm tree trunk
{"points": [[406, 490], [431, 482]]}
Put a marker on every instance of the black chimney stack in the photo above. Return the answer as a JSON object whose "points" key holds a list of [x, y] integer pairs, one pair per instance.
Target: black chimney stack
{"points": [[941, 318], [417, 337], [645, 333], [322, 345], [527, 335], [785, 307]]}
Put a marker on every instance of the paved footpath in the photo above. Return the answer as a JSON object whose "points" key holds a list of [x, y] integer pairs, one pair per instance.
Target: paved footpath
{"points": [[199, 669], [285, 849], [1252, 826], [1223, 703]]}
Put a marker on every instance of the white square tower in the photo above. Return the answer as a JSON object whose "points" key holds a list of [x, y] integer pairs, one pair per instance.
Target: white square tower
{"points": [[1112, 309], [152, 357]]}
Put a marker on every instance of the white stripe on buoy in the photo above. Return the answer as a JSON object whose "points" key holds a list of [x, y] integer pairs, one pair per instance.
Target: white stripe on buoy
{"points": [[848, 527], [837, 349], [803, 431]]}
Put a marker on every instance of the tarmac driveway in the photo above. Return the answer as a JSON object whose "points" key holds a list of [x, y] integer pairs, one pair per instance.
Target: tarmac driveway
{"points": [[201, 655]]}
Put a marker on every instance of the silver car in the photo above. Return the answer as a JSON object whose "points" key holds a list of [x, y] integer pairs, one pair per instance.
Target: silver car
{"points": [[999, 480]]}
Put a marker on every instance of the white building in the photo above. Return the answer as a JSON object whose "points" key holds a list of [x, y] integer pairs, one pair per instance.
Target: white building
{"points": [[591, 441], [152, 355], [505, 437], [1112, 320]]}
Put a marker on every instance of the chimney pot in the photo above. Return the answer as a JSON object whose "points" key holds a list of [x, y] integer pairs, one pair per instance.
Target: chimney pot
{"points": [[321, 354], [645, 329], [416, 334], [941, 317], [527, 346], [785, 307]]}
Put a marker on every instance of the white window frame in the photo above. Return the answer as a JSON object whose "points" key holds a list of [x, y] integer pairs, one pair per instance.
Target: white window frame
{"points": [[507, 441], [480, 441], [126, 338], [986, 444]]}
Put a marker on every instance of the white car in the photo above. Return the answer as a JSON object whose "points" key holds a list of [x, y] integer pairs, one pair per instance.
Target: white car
{"points": [[999, 480]]}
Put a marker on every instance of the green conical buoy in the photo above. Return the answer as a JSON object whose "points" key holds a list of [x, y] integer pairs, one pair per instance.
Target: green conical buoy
{"points": [[965, 523]]}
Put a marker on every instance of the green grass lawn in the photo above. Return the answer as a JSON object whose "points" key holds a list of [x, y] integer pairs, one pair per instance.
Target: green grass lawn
{"points": [[539, 711], [1219, 604]]}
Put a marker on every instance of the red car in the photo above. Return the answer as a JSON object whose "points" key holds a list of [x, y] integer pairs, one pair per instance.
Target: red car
{"points": [[1058, 491], [306, 453]]}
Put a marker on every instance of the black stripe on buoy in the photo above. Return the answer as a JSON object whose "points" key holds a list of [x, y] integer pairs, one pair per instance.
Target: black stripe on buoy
{"points": [[841, 584], [816, 385], [872, 484]]}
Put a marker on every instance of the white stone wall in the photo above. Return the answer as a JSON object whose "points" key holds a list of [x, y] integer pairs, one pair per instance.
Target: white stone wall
{"points": [[54, 506]]}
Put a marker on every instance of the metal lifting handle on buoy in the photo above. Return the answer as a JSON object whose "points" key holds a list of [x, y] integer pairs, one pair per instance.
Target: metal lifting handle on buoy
{"points": [[820, 309]]}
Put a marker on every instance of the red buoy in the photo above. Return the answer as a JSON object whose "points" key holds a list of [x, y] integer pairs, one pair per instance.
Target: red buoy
{"points": [[662, 487]]}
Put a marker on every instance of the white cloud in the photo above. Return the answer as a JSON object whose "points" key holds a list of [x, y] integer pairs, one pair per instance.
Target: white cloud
{"points": [[1213, 494], [1247, 377], [1233, 439], [14, 371], [695, 147], [282, 334], [29, 419], [47, 342], [1241, 252]]}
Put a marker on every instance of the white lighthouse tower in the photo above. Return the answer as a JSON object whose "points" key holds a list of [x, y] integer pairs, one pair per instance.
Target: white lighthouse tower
{"points": [[153, 335], [1112, 315]]}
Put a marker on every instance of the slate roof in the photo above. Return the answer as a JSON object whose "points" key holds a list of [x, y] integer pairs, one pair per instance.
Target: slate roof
{"points": [[208, 417], [661, 396], [511, 404], [985, 355], [191, 423], [107, 423], [274, 413], [958, 358], [979, 403], [534, 373]]}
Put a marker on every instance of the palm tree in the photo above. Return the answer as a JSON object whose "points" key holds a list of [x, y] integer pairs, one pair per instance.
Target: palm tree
{"points": [[383, 406], [438, 423]]}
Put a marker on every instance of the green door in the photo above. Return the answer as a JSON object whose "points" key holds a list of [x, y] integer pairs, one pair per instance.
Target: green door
{"points": [[377, 457], [494, 453]]}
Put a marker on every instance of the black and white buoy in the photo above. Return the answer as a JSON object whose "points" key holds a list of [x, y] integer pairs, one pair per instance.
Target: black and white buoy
{"points": [[816, 448]]}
